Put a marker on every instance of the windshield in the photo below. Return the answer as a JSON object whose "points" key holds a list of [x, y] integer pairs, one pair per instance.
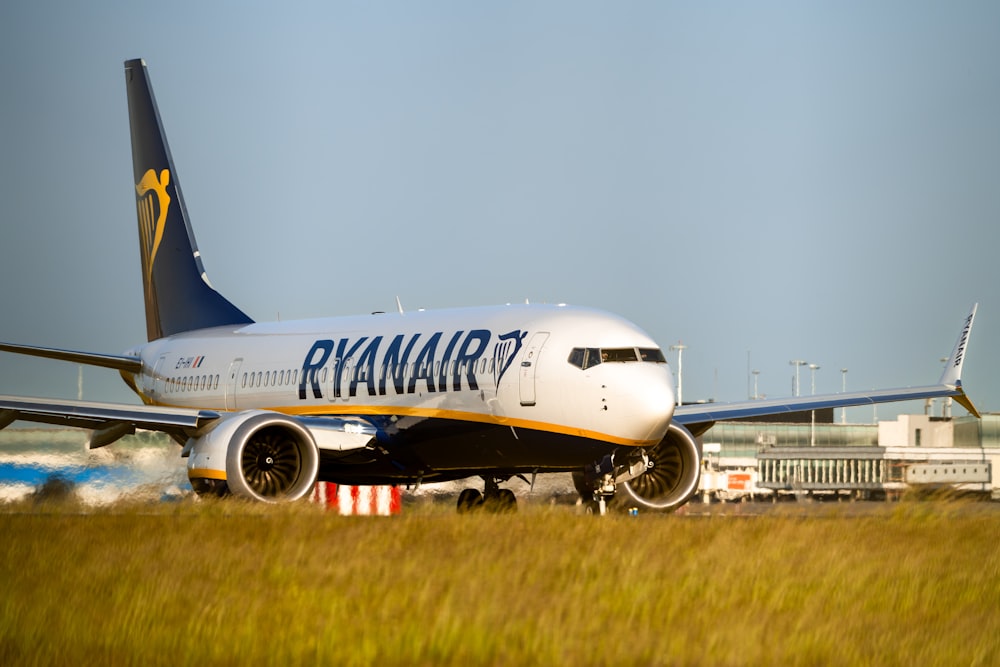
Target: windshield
{"points": [[587, 357]]}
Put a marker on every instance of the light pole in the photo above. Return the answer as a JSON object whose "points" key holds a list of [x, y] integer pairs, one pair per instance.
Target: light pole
{"points": [[798, 363], [843, 390], [755, 374], [946, 407], [812, 429], [680, 370]]}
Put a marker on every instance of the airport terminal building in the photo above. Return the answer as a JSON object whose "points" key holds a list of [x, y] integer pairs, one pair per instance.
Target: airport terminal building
{"points": [[804, 456]]}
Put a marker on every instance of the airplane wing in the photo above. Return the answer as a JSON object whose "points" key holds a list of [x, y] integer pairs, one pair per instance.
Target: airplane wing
{"points": [[949, 385], [108, 421]]}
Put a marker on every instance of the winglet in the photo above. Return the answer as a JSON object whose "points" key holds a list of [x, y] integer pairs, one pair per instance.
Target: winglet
{"points": [[952, 376]]}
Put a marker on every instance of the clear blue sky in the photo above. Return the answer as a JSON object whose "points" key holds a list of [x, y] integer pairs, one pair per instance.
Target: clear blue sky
{"points": [[785, 180]]}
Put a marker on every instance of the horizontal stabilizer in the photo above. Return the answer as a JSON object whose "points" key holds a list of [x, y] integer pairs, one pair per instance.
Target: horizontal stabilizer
{"points": [[116, 361]]}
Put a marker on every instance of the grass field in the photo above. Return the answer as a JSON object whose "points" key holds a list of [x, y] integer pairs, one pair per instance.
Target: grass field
{"points": [[234, 584]]}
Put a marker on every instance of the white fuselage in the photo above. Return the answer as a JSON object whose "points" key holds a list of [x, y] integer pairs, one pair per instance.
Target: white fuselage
{"points": [[505, 365]]}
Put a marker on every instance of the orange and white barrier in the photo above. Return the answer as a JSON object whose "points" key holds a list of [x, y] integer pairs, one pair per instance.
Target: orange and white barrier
{"points": [[358, 500]]}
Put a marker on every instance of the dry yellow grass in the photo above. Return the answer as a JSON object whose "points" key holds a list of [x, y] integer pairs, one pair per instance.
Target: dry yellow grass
{"points": [[228, 583]]}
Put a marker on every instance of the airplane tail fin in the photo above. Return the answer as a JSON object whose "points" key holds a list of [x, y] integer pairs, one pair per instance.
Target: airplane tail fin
{"points": [[176, 290]]}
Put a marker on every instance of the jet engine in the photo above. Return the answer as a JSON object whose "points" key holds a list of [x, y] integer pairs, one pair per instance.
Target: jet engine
{"points": [[263, 456], [673, 477]]}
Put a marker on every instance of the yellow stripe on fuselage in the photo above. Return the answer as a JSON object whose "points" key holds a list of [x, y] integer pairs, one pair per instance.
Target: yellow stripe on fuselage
{"points": [[456, 415], [433, 413]]}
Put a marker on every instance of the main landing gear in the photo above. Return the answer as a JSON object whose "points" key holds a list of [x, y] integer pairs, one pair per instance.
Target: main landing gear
{"points": [[493, 499]]}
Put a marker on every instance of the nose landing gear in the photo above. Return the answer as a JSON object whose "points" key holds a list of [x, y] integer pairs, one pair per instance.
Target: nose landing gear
{"points": [[598, 482]]}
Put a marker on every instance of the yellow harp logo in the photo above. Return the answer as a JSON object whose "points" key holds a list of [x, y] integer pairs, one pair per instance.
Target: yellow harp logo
{"points": [[152, 203]]}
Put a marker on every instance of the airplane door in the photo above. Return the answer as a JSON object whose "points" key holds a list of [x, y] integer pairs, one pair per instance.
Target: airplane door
{"points": [[234, 373], [529, 363], [153, 385]]}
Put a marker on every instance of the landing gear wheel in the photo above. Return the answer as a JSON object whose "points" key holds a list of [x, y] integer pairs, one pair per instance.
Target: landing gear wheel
{"points": [[505, 502], [597, 506], [469, 500]]}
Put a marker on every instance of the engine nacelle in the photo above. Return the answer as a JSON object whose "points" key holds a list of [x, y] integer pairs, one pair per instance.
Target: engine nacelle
{"points": [[259, 455], [673, 478]]}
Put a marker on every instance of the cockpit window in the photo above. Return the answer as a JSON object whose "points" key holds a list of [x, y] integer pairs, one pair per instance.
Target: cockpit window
{"points": [[653, 354], [618, 354], [587, 357]]}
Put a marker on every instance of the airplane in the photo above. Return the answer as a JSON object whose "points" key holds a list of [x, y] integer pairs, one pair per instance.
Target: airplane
{"points": [[263, 410]]}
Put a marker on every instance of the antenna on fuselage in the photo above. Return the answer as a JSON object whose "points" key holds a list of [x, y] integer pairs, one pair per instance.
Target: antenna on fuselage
{"points": [[399, 305]]}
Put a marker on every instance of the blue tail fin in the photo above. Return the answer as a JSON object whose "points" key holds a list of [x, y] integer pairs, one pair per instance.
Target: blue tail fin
{"points": [[176, 289]]}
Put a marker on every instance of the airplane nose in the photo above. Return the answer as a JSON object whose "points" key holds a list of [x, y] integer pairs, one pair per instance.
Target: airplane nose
{"points": [[651, 401]]}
